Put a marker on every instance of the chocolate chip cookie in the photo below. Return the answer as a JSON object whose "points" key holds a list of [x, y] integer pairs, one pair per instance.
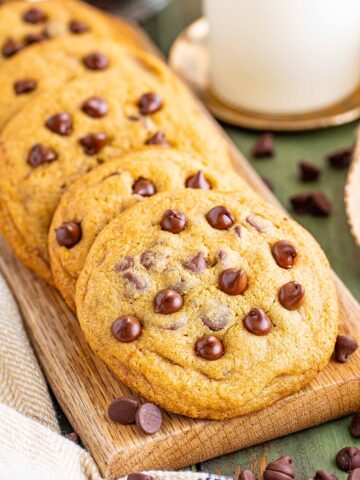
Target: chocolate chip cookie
{"points": [[63, 134], [98, 197], [210, 304]]}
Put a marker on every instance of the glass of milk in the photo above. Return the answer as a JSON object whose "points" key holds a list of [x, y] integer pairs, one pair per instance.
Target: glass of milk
{"points": [[283, 56]]}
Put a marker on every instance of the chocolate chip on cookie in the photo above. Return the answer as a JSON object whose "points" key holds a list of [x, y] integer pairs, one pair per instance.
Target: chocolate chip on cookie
{"points": [[61, 123], [209, 347], [233, 281], [197, 263], [24, 86], [173, 221], [150, 103], [94, 143], [138, 282], [125, 264], [257, 322], [344, 347], [96, 61], [68, 234], [144, 187], [39, 154], [95, 107], [123, 410], [220, 218], [148, 418], [168, 301], [284, 254], [34, 15], [11, 47], [291, 295], [32, 38], [148, 259], [198, 180], [126, 328], [77, 26], [280, 469], [158, 138]]}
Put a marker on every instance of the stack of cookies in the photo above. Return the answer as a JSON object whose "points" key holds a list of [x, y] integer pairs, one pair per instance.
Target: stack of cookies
{"points": [[117, 190]]}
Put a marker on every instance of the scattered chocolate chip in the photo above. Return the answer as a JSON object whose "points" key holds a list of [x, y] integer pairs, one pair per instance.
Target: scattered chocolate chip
{"points": [[220, 218], [301, 203], [173, 221], [126, 263], [324, 475], [320, 205], [74, 437], [138, 282], [355, 425], [281, 469], [344, 347], [233, 281], [32, 38], [308, 172], [34, 15], [348, 459], [247, 475], [68, 234], [148, 259], [261, 225], [94, 143], [215, 315], [148, 418], [284, 254], [197, 263], [158, 139], [11, 47], [268, 183], [340, 158], [144, 187], [25, 86], [126, 329], [123, 410], [96, 61], [257, 322], [209, 347], [76, 26], [139, 476], [198, 180], [354, 474], [168, 301], [95, 107], [39, 155], [150, 103], [291, 295], [264, 147], [61, 123]]}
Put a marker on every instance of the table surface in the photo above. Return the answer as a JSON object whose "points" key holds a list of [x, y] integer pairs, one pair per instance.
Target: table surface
{"points": [[315, 448]]}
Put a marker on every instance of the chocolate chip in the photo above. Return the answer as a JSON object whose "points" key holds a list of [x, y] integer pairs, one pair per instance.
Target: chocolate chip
{"points": [[324, 475], [291, 295], [348, 459], [133, 118], [68, 234], [34, 15], [95, 107], [150, 103], [137, 282], [308, 172], [158, 139], [198, 180], [247, 475], [268, 183], [284, 254], [94, 143], [261, 225], [125, 264], [220, 218], [340, 158], [126, 329], [301, 203], [147, 259], [197, 263], [281, 469], [355, 425], [222, 255], [148, 418], [96, 61], [233, 281], [173, 221], [32, 38], [76, 26], [264, 147], [354, 474], [123, 410], [61, 123], [139, 476], [144, 187], [168, 301], [344, 347], [25, 86], [209, 347], [39, 155], [215, 315], [320, 205], [11, 47], [257, 322]]}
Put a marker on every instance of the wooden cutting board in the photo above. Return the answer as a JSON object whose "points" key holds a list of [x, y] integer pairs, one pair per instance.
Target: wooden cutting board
{"points": [[84, 386]]}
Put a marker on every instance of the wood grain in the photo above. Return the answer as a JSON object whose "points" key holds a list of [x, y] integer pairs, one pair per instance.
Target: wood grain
{"points": [[84, 386]]}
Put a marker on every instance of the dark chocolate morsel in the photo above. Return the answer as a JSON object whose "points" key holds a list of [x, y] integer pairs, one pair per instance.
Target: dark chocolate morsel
{"points": [[24, 86], [144, 187], [233, 281], [344, 347], [291, 295], [76, 26], [123, 410], [257, 322], [39, 154], [220, 218], [158, 138], [198, 180], [126, 328], [150, 103], [348, 459], [308, 172], [209, 347], [264, 147], [148, 418], [60, 123], [168, 301], [284, 254], [96, 61], [95, 107], [173, 221], [68, 234], [280, 469], [94, 143]]}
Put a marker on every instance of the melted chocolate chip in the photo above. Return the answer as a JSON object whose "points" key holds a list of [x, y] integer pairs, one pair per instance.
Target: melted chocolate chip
{"points": [[94, 143], [123, 410], [257, 322], [173, 221], [24, 86], [34, 15], [11, 47], [136, 281], [76, 26], [32, 38], [281, 469], [95, 107], [291, 295], [168, 301], [144, 187], [355, 425], [150, 103], [125, 264], [68, 234], [344, 347], [148, 259], [61, 123], [198, 180], [284, 254], [96, 61], [264, 147], [148, 418], [209, 347], [197, 263], [308, 172], [348, 459], [215, 315], [233, 281], [340, 158], [126, 329], [158, 139], [220, 218], [39, 155]]}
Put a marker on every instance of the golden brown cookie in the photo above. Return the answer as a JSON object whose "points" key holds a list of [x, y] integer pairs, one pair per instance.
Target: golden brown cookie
{"points": [[98, 197], [209, 304]]}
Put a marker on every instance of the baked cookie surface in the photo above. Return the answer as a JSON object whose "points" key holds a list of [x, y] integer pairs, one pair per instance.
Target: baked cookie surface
{"points": [[61, 135], [207, 303], [98, 197]]}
